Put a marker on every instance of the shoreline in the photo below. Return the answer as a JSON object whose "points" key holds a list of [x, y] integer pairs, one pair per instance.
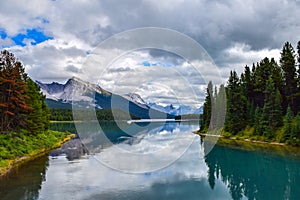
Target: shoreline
{"points": [[270, 148], [245, 140], [19, 161]]}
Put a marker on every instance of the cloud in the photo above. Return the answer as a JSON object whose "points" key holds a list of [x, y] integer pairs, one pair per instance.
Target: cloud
{"points": [[163, 84], [51, 60], [233, 32], [237, 56]]}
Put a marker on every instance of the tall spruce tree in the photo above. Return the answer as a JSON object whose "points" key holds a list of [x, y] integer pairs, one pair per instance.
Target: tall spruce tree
{"points": [[236, 105], [38, 119], [204, 125], [13, 88], [22, 105], [261, 75], [288, 124], [271, 117], [287, 62]]}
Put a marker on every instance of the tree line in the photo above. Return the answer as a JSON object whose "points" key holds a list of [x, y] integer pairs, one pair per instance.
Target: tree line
{"points": [[60, 114], [263, 102], [22, 105]]}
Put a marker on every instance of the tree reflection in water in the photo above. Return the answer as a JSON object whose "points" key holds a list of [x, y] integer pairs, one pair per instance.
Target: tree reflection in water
{"points": [[254, 174], [25, 182]]}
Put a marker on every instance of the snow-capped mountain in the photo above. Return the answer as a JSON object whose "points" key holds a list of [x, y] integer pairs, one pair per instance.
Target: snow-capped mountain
{"points": [[137, 99], [75, 89], [78, 92], [91, 95], [181, 110]]}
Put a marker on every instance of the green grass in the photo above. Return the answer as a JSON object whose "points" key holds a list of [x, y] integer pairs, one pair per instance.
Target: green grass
{"points": [[17, 145]]}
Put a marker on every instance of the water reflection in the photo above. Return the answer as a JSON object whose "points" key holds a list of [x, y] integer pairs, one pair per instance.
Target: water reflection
{"points": [[224, 173], [89, 179], [253, 174], [25, 182]]}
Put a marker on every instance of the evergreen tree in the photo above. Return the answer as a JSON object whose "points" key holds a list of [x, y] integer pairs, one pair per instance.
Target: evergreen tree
{"points": [[296, 128], [220, 108], [236, 105], [262, 96], [276, 75], [271, 117], [38, 118], [205, 122], [288, 124], [13, 97], [257, 119], [264, 127], [287, 62], [22, 105], [261, 75]]}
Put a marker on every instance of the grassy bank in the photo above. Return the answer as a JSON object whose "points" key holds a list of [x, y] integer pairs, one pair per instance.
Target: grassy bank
{"points": [[254, 144], [18, 148], [250, 135]]}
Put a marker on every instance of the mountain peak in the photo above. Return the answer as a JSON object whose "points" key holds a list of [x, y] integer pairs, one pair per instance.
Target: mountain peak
{"points": [[136, 98], [76, 79]]}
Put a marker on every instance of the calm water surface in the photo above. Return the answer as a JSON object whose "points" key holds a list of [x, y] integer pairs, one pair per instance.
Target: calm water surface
{"points": [[224, 173]]}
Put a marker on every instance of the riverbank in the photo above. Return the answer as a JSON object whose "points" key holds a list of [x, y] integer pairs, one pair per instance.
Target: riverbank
{"points": [[270, 148], [22, 149]]}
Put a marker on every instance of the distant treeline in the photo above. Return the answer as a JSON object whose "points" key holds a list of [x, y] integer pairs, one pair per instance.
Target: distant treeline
{"points": [[263, 102], [188, 117], [102, 115]]}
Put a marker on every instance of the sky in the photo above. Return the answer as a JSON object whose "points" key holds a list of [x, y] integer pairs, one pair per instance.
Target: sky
{"points": [[54, 39]]}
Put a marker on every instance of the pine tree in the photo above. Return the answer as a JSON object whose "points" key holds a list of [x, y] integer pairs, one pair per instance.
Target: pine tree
{"points": [[288, 124], [257, 124], [236, 105], [220, 107], [205, 122], [22, 106], [13, 88], [264, 126], [296, 128], [38, 119], [287, 62], [276, 75], [261, 74], [271, 117]]}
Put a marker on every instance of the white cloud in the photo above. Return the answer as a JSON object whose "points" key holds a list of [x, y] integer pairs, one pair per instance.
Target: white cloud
{"points": [[234, 33], [239, 55], [51, 59], [179, 84]]}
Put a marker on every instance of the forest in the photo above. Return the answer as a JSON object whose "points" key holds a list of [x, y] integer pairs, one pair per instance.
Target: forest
{"points": [[65, 114], [263, 103], [24, 115]]}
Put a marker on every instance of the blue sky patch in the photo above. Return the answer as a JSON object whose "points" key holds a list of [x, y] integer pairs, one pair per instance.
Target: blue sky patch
{"points": [[3, 34], [31, 34], [146, 63]]}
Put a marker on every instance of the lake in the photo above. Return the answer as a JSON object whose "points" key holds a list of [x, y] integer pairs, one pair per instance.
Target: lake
{"points": [[158, 161]]}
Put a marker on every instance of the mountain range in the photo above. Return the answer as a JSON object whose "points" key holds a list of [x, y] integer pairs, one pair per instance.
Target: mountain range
{"points": [[89, 95]]}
